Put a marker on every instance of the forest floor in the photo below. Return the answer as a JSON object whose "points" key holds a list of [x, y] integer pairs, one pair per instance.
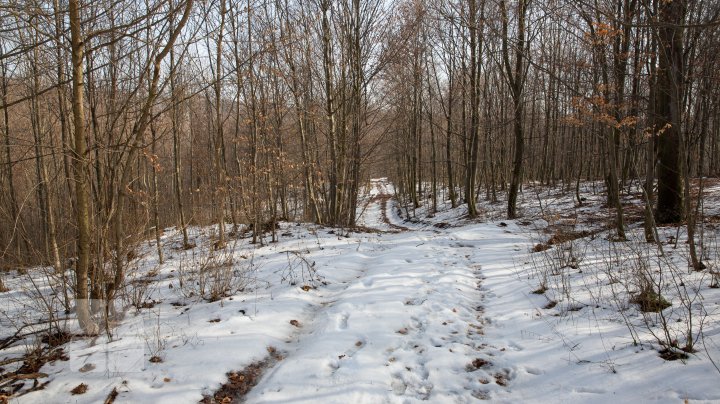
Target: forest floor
{"points": [[436, 308]]}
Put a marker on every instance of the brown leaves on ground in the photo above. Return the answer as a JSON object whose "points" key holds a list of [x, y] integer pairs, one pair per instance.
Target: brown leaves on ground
{"points": [[110, 399], [81, 388], [501, 379], [476, 364], [32, 362], [562, 236], [241, 382]]}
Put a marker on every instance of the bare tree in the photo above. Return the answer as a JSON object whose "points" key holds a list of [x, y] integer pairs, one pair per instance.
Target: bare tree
{"points": [[515, 76]]}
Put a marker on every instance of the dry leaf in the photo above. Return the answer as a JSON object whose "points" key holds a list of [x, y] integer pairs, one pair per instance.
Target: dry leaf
{"points": [[81, 388]]}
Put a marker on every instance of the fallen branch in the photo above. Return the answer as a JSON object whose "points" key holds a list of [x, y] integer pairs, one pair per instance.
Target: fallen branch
{"points": [[16, 377]]}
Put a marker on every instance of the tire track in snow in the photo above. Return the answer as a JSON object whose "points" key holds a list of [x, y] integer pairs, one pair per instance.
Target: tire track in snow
{"points": [[322, 315], [378, 207], [488, 373]]}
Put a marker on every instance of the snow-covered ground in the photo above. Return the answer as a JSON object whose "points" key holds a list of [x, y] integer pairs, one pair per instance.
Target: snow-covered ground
{"points": [[440, 309]]}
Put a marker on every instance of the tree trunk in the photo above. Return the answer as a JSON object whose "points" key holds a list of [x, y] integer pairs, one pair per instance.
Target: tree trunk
{"points": [[156, 195], [177, 179], [670, 88], [79, 159], [516, 79], [221, 184], [330, 111], [448, 143], [62, 97], [475, 63]]}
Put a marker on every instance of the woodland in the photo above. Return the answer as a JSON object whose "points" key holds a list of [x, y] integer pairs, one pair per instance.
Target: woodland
{"points": [[123, 118]]}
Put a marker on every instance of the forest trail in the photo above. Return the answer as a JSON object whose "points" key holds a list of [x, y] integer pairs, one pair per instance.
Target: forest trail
{"points": [[394, 314], [410, 326]]}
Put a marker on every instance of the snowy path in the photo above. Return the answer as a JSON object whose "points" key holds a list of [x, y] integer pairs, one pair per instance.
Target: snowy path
{"points": [[398, 318], [408, 328]]}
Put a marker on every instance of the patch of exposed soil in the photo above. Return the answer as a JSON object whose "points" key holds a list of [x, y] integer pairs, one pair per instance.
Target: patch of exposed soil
{"points": [[241, 382], [383, 199]]}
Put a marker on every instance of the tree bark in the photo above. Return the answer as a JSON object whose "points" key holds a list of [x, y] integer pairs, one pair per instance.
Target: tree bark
{"points": [[330, 111], [670, 89], [516, 79], [79, 159], [221, 185], [475, 64], [177, 178]]}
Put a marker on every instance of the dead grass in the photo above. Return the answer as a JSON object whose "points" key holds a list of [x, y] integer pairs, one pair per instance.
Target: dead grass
{"points": [[563, 236], [670, 354], [650, 301], [550, 305], [540, 291], [559, 236]]}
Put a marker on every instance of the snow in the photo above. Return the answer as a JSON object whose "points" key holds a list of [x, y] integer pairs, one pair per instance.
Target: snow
{"points": [[440, 309]]}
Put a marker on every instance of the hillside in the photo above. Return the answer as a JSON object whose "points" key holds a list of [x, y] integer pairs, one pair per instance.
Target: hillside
{"points": [[438, 309]]}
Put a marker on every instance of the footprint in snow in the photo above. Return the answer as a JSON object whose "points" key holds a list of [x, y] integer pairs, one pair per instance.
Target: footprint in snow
{"points": [[333, 365], [533, 370], [591, 390], [417, 323], [398, 386], [481, 394], [424, 390], [407, 383], [428, 290], [515, 346], [415, 301], [422, 371], [359, 344], [503, 377], [342, 321]]}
